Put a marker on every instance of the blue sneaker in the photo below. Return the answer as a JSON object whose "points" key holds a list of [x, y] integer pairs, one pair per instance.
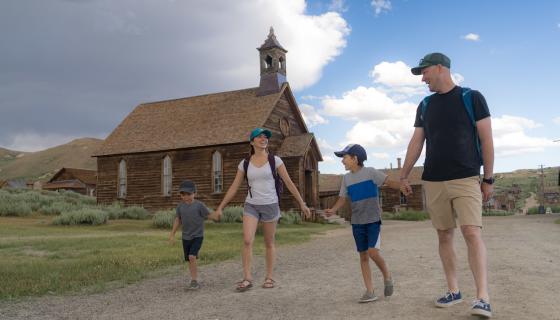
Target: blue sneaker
{"points": [[449, 299], [481, 308]]}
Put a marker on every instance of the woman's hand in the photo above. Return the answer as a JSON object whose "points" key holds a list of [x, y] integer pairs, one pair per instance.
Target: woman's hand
{"points": [[305, 210]]}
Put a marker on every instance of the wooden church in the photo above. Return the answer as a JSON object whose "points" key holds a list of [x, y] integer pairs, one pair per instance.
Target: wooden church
{"points": [[203, 138]]}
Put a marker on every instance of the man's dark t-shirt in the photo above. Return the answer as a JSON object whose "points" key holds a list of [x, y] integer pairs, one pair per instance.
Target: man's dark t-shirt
{"points": [[450, 146]]}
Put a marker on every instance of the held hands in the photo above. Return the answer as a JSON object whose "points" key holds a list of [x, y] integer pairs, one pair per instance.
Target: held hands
{"points": [[329, 212], [217, 215], [406, 189]]}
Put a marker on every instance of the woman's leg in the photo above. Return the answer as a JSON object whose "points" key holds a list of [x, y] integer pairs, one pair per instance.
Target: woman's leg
{"points": [[269, 230], [249, 228]]}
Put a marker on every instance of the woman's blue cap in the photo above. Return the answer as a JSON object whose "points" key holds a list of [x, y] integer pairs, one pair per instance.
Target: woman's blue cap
{"points": [[258, 131]]}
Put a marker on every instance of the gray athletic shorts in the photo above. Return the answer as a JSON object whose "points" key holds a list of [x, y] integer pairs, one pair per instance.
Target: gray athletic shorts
{"points": [[264, 212]]}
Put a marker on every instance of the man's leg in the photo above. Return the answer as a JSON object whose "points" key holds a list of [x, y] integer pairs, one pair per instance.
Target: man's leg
{"points": [[448, 258], [477, 259]]}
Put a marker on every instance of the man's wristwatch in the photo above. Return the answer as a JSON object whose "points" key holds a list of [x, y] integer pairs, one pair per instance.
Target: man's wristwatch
{"points": [[488, 180]]}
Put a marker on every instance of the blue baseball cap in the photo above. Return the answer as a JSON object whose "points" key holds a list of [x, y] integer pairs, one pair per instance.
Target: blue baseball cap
{"points": [[258, 131], [187, 186], [354, 150]]}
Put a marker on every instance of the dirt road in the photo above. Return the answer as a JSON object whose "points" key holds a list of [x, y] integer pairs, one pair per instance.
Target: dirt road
{"points": [[321, 280]]}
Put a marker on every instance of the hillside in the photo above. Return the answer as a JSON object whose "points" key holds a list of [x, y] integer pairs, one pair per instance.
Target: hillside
{"points": [[42, 164]]}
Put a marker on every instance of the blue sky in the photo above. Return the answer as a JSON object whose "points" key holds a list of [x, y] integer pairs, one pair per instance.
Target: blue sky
{"points": [[93, 61]]}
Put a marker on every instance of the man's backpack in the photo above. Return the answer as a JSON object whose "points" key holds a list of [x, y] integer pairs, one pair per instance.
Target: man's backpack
{"points": [[278, 183], [466, 93]]}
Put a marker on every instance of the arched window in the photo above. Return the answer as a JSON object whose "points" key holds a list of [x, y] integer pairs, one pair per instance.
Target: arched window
{"points": [[122, 179], [166, 176], [282, 65], [268, 62], [217, 172]]}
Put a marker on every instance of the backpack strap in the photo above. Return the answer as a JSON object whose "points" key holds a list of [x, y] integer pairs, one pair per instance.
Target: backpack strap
{"points": [[466, 93], [272, 162], [245, 168], [424, 107]]}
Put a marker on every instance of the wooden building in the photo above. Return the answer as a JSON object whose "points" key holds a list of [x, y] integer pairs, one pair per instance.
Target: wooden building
{"points": [[392, 200], [82, 181], [329, 189], [204, 138]]}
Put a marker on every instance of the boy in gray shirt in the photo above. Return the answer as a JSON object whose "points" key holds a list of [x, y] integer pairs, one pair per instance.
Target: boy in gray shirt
{"points": [[191, 214], [361, 185]]}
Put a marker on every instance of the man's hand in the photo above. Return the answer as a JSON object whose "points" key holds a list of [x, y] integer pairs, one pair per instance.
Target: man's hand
{"points": [[171, 239], [487, 191], [406, 189]]}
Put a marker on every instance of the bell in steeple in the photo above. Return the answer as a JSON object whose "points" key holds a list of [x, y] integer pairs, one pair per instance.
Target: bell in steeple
{"points": [[273, 65]]}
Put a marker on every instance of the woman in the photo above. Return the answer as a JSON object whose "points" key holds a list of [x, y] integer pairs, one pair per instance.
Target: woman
{"points": [[261, 204]]}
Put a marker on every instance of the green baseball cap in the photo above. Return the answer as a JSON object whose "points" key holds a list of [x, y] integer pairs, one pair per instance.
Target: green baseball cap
{"points": [[257, 131], [431, 59]]}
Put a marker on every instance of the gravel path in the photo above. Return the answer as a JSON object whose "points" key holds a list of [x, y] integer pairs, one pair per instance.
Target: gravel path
{"points": [[321, 280]]}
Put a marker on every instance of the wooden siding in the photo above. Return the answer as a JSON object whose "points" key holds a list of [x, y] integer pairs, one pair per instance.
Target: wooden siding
{"points": [[391, 199], [144, 177]]}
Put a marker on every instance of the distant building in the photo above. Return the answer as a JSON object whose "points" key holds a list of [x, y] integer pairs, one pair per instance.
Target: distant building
{"points": [[78, 180]]}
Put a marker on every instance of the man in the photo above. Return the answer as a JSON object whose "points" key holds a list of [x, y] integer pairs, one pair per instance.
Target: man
{"points": [[457, 141]]}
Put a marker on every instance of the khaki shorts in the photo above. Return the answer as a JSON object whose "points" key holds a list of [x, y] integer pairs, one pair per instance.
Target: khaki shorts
{"points": [[454, 199]]}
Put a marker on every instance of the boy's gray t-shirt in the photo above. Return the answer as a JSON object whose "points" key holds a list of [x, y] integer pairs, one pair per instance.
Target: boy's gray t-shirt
{"points": [[192, 218], [362, 188]]}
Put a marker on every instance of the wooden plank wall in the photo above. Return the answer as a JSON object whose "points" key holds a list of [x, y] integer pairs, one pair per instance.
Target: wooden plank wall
{"points": [[391, 198], [144, 185]]}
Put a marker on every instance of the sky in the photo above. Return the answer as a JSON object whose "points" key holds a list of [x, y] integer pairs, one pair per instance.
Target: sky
{"points": [[76, 68]]}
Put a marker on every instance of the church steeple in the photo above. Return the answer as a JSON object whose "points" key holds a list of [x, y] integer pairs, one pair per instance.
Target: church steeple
{"points": [[273, 65]]}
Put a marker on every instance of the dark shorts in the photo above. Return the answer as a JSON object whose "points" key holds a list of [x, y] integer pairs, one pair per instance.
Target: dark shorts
{"points": [[191, 247], [367, 235]]}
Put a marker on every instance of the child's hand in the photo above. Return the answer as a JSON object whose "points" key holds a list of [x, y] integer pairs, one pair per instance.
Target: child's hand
{"points": [[218, 214], [171, 239], [329, 212]]}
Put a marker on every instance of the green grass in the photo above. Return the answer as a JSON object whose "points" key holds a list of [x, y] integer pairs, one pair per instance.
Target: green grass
{"points": [[39, 258], [557, 221]]}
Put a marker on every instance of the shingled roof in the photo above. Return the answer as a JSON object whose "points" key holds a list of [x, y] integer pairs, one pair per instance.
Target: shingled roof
{"points": [[83, 175], [213, 119], [296, 146]]}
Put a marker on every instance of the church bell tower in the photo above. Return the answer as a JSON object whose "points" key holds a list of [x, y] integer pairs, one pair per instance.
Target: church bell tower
{"points": [[273, 65]]}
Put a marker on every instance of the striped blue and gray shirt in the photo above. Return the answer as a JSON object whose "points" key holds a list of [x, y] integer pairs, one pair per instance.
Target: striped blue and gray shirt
{"points": [[362, 188]]}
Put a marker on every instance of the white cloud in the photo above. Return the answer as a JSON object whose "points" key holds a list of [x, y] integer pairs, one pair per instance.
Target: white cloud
{"points": [[399, 83], [311, 116], [338, 6], [556, 120], [381, 6], [381, 155], [327, 150], [395, 74], [367, 104], [472, 37], [510, 137], [31, 142]]}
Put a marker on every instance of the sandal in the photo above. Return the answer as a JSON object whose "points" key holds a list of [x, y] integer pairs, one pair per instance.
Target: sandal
{"points": [[268, 283], [244, 285]]}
